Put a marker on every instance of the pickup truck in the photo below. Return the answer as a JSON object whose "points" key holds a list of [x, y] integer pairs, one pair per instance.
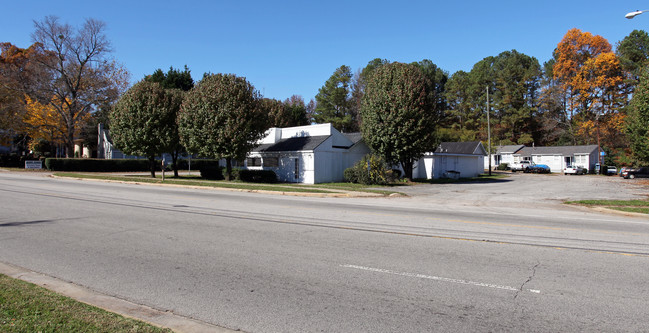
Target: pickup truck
{"points": [[522, 166]]}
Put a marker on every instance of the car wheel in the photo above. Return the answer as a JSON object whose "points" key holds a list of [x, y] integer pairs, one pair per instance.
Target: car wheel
{"points": [[631, 176]]}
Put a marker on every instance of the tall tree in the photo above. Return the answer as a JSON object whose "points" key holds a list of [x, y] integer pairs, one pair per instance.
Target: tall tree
{"points": [[173, 79], [83, 74], [396, 114], [359, 81], [143, 121], [333, 101], [291, 112], [221, 117], [513, 82], [181, 82], [590, 76], [633, 53], [19, 73], [637, 122], [437, 79]]}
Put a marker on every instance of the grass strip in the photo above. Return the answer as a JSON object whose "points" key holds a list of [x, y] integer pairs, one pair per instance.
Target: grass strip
{"points": [[191, 181], [25, 307], [640, 210], [638, 203]]}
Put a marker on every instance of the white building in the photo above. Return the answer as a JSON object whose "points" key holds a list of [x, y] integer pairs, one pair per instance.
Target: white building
{"points": [[452, 160], [503, 154], [307, 154], [557, 158]]}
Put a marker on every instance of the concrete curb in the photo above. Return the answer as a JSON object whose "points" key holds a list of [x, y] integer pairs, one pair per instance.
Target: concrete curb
{"points": [[165, 319]]}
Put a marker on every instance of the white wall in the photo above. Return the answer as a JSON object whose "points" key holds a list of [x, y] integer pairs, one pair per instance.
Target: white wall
{"points": [[555, 162]]}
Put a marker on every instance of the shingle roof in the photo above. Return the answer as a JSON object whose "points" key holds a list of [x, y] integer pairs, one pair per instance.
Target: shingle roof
{"points": [[354, 137], [558, 150], [510, 149], [293, 144], [464, 148]]}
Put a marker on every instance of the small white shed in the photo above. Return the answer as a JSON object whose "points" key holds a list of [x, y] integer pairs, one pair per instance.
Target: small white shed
{"points": [[452, 159]]}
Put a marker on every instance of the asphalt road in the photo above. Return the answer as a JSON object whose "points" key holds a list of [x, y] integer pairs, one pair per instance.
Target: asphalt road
{"points": [[267, 263]]}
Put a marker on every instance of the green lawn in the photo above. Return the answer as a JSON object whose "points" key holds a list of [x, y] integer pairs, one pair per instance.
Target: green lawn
{"points": [[195, 180], [633, 206], [25, 307]]}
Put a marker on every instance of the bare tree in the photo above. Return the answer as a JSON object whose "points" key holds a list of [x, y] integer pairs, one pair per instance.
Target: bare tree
{"points": [[84, 75]]}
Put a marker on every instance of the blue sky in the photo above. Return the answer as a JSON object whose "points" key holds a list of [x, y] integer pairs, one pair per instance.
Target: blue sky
{"points": [[292, 47]]}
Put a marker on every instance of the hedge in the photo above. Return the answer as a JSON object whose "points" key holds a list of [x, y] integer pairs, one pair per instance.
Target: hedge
{"points": [[96, 165], [257, 176]]}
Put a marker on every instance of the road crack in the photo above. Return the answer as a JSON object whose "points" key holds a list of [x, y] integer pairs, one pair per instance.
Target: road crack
{"points": [[538, 263]]}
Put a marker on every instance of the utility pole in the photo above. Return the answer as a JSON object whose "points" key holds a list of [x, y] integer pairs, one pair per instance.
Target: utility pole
{"points": [[488, 131]]}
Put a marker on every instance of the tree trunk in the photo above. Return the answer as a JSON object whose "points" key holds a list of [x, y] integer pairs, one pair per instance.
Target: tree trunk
{"points": [[152, 166], [407, 169], [174, 162], [228, 168]]}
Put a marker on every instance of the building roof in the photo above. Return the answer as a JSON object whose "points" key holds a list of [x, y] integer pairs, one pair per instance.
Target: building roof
{"points": [[462, 148], [509, 149], [354, 137], [558, 150], [293, 144]]}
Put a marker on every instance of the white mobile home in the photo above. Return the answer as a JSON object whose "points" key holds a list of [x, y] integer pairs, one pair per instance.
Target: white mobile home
{"points": [[557, 158]]}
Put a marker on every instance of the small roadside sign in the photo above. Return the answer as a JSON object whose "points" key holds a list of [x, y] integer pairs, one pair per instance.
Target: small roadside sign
{"points": [[33, 164]]}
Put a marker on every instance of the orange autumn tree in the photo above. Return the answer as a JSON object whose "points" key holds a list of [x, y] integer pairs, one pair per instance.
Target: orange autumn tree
{"points": [[44, 121], [592, 80]]}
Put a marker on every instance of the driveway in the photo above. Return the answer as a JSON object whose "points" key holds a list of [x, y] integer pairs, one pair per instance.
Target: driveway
{"points": [[520, 189]]}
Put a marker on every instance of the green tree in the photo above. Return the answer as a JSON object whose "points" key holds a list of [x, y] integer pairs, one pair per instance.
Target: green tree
{"points": [[437, 79], [181, 81], [173, 79], [637, 121], [359, 81], [289, 113], [396, 114], [296, 111], [333, 102], [633, 53], [221, 117], [143, 121]]}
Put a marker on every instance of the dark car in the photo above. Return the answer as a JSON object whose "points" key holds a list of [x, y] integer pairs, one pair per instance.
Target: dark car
{"points": [[642, 172]]}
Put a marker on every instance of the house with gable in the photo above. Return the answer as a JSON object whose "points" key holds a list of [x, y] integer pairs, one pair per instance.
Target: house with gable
{"points": [[307, 154]]}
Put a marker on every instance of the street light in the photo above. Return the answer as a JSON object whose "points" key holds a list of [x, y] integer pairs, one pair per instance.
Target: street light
{"points": [[634, 14]]}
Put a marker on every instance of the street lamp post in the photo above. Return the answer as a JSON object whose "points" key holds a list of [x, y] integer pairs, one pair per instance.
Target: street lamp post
{"points": [[634, 14]]}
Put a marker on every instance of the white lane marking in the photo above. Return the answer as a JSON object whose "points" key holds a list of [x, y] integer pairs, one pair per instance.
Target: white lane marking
{"points": [[438, 278]]}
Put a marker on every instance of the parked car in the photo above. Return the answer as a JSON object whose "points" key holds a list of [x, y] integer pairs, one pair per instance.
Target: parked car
{"points": [[539, 168], [574, 170], [611, 170], [522, 166], [642, 172]]}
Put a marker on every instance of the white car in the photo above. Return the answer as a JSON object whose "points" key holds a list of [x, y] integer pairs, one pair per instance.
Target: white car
{"points": [[574, 170]]}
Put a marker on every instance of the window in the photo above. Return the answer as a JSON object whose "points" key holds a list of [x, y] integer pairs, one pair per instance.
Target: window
{"points": [[272, 162], [253, 161]]}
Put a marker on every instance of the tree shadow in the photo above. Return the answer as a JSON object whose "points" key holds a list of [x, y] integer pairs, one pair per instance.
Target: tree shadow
{"points": [[22, 223]]}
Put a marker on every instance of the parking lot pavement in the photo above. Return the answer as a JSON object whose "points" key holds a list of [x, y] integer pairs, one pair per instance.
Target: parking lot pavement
{"points": [[520, 189]]}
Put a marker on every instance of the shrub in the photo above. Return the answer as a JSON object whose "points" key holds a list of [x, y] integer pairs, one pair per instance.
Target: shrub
{"points": [[503, 166], [257, 176], [376, 174], [211, 171], [96, 165]]}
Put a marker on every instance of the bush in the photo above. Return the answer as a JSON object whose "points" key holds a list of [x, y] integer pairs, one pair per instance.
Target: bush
{"points": [[256, 176], [503, 166], [211, 170], [378, 173], [96, 165]]}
